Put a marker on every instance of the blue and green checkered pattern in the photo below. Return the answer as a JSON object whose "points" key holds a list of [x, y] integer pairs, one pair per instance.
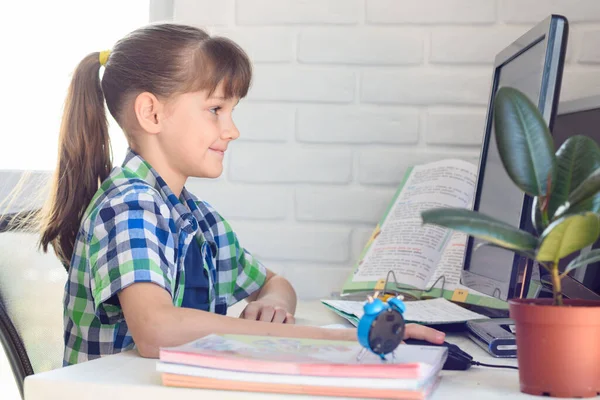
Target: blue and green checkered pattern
{"points": [[137, 230]]}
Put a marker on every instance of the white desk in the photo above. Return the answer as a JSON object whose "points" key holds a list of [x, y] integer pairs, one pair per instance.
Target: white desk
{"points": [[129, 376]]}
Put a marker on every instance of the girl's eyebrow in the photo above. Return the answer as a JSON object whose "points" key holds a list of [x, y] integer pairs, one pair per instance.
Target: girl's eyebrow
{"points": [[223, 99]]}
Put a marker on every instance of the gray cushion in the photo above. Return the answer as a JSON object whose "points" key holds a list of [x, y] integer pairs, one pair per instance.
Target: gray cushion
{"points": [[32, 286]]}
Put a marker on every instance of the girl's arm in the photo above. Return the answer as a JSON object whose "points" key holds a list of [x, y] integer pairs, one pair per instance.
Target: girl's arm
{"points": [[155, 322], [275, 301]]}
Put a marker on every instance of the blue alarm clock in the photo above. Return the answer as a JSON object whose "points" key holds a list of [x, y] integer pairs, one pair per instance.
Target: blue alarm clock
{"points": [[381, 328]]}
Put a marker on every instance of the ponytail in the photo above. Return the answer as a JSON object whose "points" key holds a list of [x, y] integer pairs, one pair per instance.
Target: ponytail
{"points": [[84, 160]]}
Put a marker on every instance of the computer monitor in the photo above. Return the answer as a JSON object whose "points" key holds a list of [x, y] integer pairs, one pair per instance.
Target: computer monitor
{"points": [[533, 64], [579, 117]]}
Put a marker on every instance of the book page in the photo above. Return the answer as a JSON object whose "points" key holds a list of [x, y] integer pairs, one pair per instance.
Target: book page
{"points": [[438, 311], [403, 244], [433, 311], [451, 267], [450, 264]]}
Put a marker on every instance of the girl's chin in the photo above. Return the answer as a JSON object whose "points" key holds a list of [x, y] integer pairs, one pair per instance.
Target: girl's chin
{"points": [[214, 172], [208, 168]]}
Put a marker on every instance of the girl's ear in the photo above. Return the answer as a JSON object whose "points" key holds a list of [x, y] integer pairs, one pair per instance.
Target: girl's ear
{"points": [[147, 108]]}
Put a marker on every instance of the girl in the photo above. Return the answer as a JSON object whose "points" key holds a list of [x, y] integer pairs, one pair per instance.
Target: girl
{"points": [[150, 265]]}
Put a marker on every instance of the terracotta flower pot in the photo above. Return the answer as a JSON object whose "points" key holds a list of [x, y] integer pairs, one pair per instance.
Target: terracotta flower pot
{"points": [[558, 348]]}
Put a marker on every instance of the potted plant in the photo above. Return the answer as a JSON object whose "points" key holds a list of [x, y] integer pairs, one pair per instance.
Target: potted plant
{"points": [[557, 339]]}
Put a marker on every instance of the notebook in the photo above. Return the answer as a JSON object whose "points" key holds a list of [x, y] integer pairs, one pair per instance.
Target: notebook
{"points": [[297, 380], [308, 390], [301, 356], [301, 366]]}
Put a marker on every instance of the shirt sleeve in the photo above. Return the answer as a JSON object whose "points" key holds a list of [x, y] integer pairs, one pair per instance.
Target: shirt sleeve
{"points": [[250, 275], [130, 242]]}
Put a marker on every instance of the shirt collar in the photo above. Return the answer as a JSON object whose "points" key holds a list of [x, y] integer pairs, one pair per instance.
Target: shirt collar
{"points": [[189, 218]]}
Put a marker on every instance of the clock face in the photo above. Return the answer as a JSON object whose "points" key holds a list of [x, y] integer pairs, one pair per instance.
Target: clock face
{"points": [[387, 331]]}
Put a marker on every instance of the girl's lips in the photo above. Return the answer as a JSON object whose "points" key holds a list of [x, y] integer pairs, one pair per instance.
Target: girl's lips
{"points": [[221, 152]]}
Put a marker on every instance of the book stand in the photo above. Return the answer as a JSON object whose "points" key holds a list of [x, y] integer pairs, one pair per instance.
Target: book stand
{"points": [[400, 289]]}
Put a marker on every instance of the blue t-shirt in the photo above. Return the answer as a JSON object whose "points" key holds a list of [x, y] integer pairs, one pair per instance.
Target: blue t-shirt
{"points": [[196, 293]]}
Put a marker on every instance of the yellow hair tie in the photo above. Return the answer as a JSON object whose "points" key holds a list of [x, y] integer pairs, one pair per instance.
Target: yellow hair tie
{"points": [[104, 57]]}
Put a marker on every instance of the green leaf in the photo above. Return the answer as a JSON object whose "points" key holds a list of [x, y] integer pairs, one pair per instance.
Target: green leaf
{"points": [[567, 235], [585, 191], [524, 142], [592, 204], [576, 160], [482, 227], [583, 260], [536, 216]]}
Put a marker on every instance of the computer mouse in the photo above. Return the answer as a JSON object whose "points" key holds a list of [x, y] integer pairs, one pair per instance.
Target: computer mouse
{"points": [[457, 360]]}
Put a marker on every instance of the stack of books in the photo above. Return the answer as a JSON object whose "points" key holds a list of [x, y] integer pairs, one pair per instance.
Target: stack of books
{"points": [[301, 366]]}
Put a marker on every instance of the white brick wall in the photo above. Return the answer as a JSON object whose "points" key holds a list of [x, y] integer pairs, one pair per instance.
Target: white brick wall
{"points": [[411, 12], [348, 124], [448, 44], [426, 86], [266, 163], [454, 126], [530, 11], [353, 46], [590, 51], [302, 84], [346, 95], [284, 12], [341, 204]]}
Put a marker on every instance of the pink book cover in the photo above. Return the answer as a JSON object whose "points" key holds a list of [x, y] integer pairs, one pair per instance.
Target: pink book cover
{"points": [[194, 382], [301, 356]]}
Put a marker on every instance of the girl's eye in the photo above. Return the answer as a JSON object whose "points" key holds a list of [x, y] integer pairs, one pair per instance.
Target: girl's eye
{"points": [[214, 110]]}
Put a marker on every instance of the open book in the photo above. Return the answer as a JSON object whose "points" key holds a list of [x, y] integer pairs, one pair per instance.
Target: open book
{"points": [[426, 259]]}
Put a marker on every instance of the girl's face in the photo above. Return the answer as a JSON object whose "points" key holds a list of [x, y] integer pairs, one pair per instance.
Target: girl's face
{"points": [[197, 131]]}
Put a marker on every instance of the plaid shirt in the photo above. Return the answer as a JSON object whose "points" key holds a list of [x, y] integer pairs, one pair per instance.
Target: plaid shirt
{"points": [[137, 230]]}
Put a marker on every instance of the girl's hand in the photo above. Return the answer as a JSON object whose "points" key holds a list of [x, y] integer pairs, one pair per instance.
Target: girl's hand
{"points": [[416, 331], [412, 331], [262, 311]]}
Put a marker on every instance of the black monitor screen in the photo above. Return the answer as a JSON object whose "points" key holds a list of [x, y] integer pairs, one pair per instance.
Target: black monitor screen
{"points": [[500, 198], [526, 66], [583, 120]]}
